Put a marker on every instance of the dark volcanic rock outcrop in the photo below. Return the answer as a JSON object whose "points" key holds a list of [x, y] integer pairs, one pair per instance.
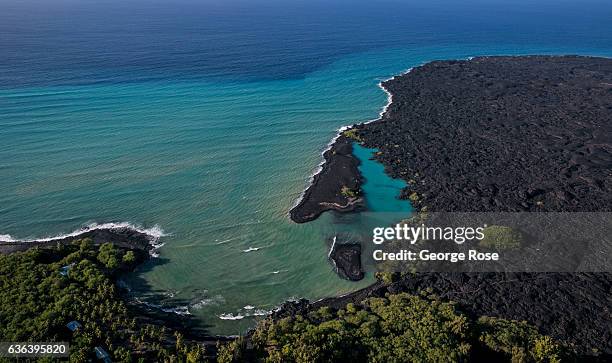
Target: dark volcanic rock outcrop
{"points": [[575, 308], [501, 134], [326, 191], [506, 134], [122, 236], [347, 260]]}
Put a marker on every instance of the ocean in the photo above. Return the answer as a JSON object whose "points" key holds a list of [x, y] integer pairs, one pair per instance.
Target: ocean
{"points": [[203, 121]]}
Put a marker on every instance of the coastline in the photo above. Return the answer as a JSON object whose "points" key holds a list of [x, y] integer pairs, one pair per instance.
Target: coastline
{"points": [[519, 296], [173, 327], [476, 299], [315, 184], [481, 94], [122, 234], [339, 170]]}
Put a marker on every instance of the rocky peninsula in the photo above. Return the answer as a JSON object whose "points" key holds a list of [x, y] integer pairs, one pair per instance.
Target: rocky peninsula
{"points": [[529, 133], [335, 187], [124, 237]]}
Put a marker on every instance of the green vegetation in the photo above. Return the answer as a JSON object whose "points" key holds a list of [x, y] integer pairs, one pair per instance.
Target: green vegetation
{"points": [[108, 256], [519, 340], [129, 258], [386, 277], [414, 197], [232, 351], [352, 134], [41, 290], [398, 328], [37, 300], [348, 192], [501, 237]]}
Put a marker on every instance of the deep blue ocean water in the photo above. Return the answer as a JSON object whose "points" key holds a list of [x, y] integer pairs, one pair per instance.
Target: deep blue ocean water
{"points": [[207, 118]]}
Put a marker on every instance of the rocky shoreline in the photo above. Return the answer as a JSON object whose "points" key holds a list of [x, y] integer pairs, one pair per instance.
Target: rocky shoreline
{"points": [[531, 133], [143, 245], [505, 134], [488, 134], [340, 170], [574, 308], [121, 236]]}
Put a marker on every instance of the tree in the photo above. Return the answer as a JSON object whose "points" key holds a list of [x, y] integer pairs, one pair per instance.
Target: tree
{"points": [[108, 255], [397, 328], [129, 258]]}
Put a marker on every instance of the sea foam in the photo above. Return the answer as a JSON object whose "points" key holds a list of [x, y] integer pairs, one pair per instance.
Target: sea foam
{"points": [[153, 233]]}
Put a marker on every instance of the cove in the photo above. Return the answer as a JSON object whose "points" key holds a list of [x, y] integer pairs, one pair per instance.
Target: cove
{"points": [[383, 207], [380, 190]]}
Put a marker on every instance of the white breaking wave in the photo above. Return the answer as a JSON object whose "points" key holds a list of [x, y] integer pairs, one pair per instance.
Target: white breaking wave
{"points": [[183, 309], [202, 303], [261, 312], [154, 233], [231, 317], [157, 245], [247, 311], [178, 310], [251, 249], [331, 250], [213, 301], [6, 238]]}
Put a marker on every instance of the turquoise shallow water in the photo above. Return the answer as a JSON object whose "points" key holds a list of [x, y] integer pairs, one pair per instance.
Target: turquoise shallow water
{"points": [[381, 190], [217, 165], [206, 119]]}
